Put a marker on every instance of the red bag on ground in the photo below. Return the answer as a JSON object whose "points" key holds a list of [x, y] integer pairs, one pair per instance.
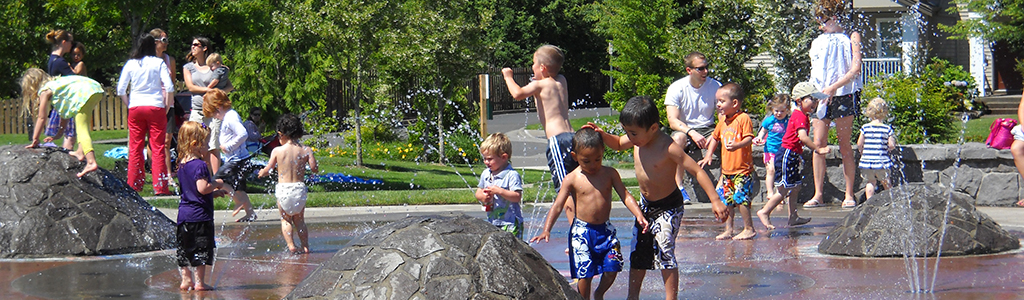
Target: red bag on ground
{"points": [[999, 135]]}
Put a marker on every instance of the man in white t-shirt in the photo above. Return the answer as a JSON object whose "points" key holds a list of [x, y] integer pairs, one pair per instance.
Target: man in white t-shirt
{"points": [[690, 106]]}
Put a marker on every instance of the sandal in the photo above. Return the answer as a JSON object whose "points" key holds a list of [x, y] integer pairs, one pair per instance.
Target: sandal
{"points": [[1020, 203], [813, 203], [849, 203]]}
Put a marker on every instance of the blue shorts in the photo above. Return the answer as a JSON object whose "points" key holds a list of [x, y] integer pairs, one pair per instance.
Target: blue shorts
{"points": [[595, 250], [560, 162], [787, 168], [736, 189], [53, 124]]}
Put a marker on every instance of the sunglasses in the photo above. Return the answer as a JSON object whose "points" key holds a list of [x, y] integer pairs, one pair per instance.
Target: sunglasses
{"points": [[162, 40], [700, 69], [197, 45]]}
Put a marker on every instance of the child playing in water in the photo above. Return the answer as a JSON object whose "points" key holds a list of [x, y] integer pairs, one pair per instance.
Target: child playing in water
{"points": [[735, 132], [661, 202], [595, 249], [772, 129], [232, 149], [291, 159], [195, 211], [875, 141], [71, 96], [789, 158], [500, 189], [220, 72]]}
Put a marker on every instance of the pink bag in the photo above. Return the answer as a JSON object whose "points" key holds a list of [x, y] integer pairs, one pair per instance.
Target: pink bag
{"points": [[999, 135]]}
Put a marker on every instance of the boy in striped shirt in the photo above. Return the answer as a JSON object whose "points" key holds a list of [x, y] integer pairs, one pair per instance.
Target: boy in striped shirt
{"points": [[875, 141]]}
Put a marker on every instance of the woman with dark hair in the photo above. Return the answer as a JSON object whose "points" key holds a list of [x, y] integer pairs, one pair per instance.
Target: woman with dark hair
{"points": [[150, 96], [197, 76], [56, 65]]}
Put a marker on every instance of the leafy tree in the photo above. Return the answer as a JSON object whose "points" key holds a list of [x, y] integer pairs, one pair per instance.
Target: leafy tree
{"points": [[1001, 20], [651, 38], [788, 27], [518, 27]]}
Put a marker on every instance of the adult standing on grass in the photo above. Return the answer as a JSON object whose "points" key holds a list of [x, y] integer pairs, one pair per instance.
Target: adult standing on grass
{"points": [[835, 69], [150, 96], [690, 107], [197, 76], [172, 125], [56, 65]]}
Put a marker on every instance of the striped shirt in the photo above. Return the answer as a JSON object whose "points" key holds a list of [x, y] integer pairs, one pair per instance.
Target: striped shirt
{"points": [[876, 146]]}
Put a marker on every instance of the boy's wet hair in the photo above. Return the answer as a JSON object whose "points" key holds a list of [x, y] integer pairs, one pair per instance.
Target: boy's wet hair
{"points": [[877, 109], [290, 126], [639, 111], [735, 91], [782, 100], [496, 144], [587, 138], [551, 57]]}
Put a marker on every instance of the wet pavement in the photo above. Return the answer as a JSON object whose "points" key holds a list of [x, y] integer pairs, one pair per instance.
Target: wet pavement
{"points": [[252, 262]]}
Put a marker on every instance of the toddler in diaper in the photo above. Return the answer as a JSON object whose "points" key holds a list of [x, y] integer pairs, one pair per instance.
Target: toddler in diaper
{"points": [[291, 160]]}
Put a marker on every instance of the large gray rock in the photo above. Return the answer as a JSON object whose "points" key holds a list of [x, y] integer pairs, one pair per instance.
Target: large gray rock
{"points": [[882, 227], [45, 210], [435, 257]]}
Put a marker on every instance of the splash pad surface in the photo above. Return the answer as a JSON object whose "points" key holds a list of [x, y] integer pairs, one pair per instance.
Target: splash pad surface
{"points": [[252, 262]]}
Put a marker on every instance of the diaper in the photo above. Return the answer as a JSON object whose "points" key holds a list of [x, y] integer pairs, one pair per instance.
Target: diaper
{"points": [[291, 197]]}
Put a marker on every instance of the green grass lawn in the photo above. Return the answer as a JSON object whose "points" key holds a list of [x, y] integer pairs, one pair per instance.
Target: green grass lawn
{"points": [[977, 129]]}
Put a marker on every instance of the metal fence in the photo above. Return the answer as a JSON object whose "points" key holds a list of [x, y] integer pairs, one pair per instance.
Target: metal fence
{"points": [[871, 67]]}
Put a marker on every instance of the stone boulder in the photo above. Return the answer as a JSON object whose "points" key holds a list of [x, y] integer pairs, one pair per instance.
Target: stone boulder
{"points": [[46, 211], [884, 227], [433, 257]]}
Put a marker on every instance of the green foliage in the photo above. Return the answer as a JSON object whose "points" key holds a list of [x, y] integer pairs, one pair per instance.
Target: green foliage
{"points": [[788, 27], [951, 83], [651, 38], [917, 115], [319, 125], [517, 27], [1000, 20]]}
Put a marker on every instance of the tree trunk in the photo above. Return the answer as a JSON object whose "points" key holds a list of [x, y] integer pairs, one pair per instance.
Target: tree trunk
{"points": [[359, 121], [440, 128]]}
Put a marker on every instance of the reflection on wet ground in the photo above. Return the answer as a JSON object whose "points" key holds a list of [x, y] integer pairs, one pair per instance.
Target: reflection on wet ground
{"points": [[252, 263]]}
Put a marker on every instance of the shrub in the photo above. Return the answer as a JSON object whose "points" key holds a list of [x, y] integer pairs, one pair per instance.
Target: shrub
{"points": [[950, 83], [918, 114]]}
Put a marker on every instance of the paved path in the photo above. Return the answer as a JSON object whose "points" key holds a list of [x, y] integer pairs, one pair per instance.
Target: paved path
{"points": [[529, 146]]}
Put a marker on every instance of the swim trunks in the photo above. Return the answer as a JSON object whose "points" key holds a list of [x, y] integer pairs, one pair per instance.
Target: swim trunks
{"points": [[291, 197], [595, 250], [787, 168], [560, 162], [736, 189], [655, 249]]}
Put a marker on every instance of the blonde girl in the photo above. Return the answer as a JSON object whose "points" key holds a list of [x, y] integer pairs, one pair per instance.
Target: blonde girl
{"points": [[71, 96], [195, 229], [772, 129], [875, 141]]}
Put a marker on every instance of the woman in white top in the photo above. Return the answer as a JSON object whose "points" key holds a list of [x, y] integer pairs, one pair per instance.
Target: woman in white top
{"points": [[835, 68], [151, 95], [197, 76]]}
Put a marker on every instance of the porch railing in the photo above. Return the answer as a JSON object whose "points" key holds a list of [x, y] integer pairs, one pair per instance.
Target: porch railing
{"points": [[871, 67]]}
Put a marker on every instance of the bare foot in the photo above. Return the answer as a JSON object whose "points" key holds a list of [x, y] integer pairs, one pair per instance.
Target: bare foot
{"points": [[724, 236], [79, 156], [89, 168], [566, 251], [746, 234], [799, 221], [237, 210], [293, 249], [185, 285], [250, 216], [305, 249], [765, 219], [202, 287]]}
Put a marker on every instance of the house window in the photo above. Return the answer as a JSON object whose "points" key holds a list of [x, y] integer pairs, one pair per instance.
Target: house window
{"points": [[890, 36]]}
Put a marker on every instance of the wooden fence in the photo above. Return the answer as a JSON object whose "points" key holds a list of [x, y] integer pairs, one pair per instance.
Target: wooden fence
{"points": [[109, 114]]}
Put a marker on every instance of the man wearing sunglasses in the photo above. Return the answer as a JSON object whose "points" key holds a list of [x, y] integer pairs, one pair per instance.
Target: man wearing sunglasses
{"points": [[690, 106]]}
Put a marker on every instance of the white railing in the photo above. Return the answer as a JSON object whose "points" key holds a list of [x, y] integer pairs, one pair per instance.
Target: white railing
{"points": [[871, 67]]}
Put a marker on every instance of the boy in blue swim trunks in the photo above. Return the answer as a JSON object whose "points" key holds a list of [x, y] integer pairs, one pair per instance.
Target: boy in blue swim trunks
{"points": [[594, 248], [657, 158], [735, 132]]}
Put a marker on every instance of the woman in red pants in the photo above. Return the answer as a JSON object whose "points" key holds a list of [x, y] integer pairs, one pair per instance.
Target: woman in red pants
{"points": [[151, 94]]}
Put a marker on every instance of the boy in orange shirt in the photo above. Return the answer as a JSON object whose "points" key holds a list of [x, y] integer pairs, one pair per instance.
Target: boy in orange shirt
{"points": [[735, 132]]}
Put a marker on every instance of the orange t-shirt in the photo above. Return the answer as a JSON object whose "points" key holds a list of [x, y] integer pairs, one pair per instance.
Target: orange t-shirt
{"points": [[739, 161]]}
